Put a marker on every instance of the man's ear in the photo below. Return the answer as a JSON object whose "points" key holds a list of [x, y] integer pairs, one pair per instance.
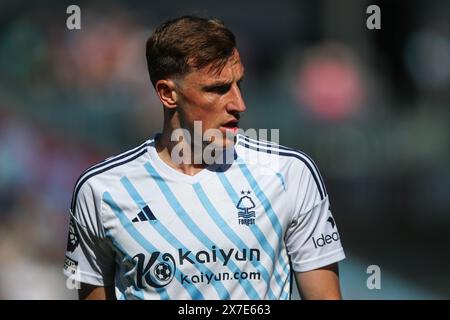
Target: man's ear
{"points": [[166, 91]]}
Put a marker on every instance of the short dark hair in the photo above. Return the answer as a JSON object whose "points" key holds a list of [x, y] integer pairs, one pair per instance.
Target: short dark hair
{"points": [[180, 45]]}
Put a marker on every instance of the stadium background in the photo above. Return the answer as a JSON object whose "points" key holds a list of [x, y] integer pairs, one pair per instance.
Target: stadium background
{"points": [[370, 106]]}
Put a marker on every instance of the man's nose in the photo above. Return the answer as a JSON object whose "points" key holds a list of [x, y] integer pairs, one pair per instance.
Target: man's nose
{"points": [[236, 103]]}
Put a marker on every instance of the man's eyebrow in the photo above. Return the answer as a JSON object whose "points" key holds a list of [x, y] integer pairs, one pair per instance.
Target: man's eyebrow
{"points": [[217, 84]]}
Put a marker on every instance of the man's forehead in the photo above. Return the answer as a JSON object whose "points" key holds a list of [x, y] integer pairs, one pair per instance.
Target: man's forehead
{"points": [[232, 70]]}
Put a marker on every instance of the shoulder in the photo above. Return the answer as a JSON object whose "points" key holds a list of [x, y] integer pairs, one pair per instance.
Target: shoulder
{"points": [[294, 165], [99, 173], [288, 156]]}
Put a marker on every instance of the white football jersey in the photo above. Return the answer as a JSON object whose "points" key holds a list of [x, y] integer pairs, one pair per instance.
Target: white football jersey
{"points": [[233, 231]]}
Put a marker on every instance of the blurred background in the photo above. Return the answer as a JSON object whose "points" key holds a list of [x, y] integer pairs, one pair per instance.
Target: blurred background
{"points": [[372, 107]]}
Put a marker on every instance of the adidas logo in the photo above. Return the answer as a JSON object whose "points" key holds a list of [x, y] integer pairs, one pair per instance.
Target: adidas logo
{"points": [[144, 215]]}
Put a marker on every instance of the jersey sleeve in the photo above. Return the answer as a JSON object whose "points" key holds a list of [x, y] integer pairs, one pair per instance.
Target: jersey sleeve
{"points": [[89, 256], [312, 238]]}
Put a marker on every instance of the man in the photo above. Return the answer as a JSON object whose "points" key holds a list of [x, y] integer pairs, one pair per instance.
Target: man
{"points": [[164, 221]]}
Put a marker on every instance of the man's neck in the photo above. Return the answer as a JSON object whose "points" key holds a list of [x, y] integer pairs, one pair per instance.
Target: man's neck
{"points": [[164, 147]]}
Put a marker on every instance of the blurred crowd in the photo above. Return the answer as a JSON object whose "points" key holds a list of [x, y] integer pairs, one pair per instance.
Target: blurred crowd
{"points": [[68, 99]]}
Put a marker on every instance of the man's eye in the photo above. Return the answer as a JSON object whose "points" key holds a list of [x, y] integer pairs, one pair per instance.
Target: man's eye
{"points": [[220, 89]]}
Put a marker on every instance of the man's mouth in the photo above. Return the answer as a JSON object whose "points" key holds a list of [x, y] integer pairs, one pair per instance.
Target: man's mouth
{"points": [[232, 125]]}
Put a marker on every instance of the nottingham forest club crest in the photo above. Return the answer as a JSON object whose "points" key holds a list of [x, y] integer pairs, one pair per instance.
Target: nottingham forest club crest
{"points": [[245, 205]]}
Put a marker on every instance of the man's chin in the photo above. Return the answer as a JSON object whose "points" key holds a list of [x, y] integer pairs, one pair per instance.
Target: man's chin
{"points": [[228, 142], [222, 143], [220, 151]]}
